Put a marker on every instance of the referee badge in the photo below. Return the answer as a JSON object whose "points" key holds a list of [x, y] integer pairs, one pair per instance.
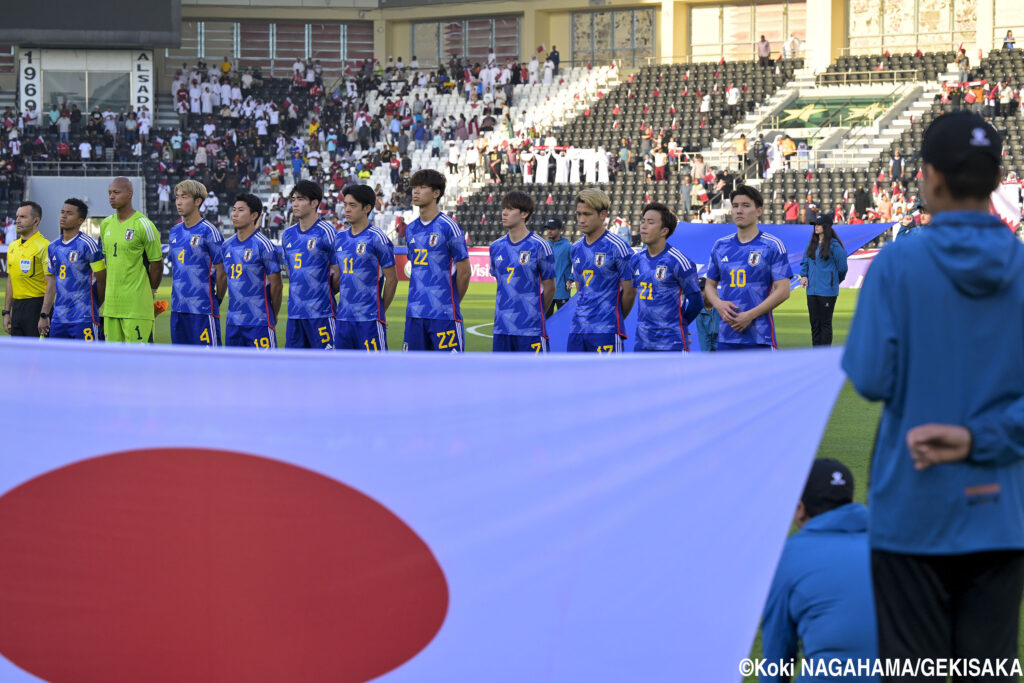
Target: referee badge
{"points": [[599, 260], [524, 257], [194, 241], [247, 255], [72, 256], [129, 234], [311, 244], [360, 248], [660, 272], [435, 237], [753, 258]]}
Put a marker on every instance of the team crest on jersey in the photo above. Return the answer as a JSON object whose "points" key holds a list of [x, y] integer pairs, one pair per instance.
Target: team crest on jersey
{"points": [[435, 237], [129, 234], [72, 256], [247, 255], [360, 248], [660, 272], [753, 258], [599, 260], [194, 241], [524, 257], [311, 244]]}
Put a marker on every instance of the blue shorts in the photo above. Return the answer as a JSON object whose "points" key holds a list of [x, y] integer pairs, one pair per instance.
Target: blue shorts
{"points": [[82, 331], [195, 328], [310, 333], [370, 335], [742, 346], [258, 336], [426, 334], [604, 342], [520, 343]]}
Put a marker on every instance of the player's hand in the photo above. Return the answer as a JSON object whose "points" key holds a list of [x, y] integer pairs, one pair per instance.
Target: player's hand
{"points": [[803, 282], [741, 321], [44, 327], [159, 307], [727, 310], [7, 324], [934, 444]]}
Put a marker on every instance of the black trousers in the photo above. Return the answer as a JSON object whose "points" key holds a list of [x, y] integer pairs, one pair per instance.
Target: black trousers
{"points": [[555, 305], [820, 310], [948, 606], [25, 317]]}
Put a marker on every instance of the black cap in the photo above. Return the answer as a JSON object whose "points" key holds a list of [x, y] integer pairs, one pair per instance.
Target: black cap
{"points": [[553, 224], [829, 485], [954, 138], [826, 219]]}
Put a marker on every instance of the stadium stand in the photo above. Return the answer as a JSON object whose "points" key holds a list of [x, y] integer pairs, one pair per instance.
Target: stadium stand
{"points": [[857, 69]]}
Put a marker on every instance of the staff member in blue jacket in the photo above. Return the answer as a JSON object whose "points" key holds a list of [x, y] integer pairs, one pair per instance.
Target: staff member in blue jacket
{"points": [[821, 595], [821, 270], [563, 269], [947, 474]]}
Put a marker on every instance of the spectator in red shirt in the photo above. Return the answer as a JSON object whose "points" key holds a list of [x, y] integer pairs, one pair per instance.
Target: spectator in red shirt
{"points": [[791, 210]]}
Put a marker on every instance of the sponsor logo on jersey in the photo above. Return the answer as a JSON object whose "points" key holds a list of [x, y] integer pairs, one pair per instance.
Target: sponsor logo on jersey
{"points": [[194, 241], [660, 272], [72, 256], [435, 237], [311, 244], [499, 259], [753, 258], [360, 248], [247, 255], [599, 259], [725, 259], [524, 257], [129, 234]]}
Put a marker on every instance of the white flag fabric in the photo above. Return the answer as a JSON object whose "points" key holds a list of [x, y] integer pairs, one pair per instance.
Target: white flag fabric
{"points": [[177, 514]]}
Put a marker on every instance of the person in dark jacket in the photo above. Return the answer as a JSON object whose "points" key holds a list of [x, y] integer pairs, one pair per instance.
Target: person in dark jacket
{"points": [[947, 473], [821, 270], [821, 595]]}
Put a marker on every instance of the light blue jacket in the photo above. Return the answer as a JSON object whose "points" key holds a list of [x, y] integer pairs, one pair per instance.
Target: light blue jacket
{"points": [[824, 275]]}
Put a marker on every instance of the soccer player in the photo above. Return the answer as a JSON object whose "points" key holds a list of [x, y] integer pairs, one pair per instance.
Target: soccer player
{"points": [[524, 266], [196, 260], [26, 279], [131, 249], [75, 279], [668, 297], [601, 269], [440, 272], [254, 278], [365, 259], [309, 255], [755, 273]]}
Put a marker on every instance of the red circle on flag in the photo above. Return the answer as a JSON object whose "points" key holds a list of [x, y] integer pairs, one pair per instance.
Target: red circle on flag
{"points": [[203, 565]]}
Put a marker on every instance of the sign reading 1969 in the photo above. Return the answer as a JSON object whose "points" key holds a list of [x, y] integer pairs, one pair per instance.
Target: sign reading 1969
{"points": [[29, 81]]}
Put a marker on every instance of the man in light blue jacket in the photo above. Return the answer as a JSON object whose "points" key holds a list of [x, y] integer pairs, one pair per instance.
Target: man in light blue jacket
{"points": [[939, 337], [821, 270]]}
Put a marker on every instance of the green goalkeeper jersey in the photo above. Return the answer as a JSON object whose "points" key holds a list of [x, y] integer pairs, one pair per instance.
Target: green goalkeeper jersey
{"points": [[127, 248]]}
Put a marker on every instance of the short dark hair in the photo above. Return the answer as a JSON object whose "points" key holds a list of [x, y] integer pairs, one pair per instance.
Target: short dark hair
{"points": [[748, 191], [309, 190], [668, 219], [976, 178], [83, 210], [428, 177], [363, 194], [519, 200], [252, 201], [37, 211]]}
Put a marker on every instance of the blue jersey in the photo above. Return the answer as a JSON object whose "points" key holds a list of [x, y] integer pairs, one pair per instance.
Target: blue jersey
{"points": [[248, 264], [361, 260], [434, 249], [598, 269], [194, 252], [520, 268], [745, 273], [663, 283], [71, 265], [309, 255]]}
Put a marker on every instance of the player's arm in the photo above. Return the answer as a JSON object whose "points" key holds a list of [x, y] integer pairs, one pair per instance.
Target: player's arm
{"points": [[156, 273], [276, 290], [778, 294], [335, 278], [8, 301], [222, 282], [462, 275], [101, 282], [48, 297], [390, 286], [547, 293], [628, 296]]}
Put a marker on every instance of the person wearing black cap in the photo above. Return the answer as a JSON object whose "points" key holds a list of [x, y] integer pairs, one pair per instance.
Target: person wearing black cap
{"points": [[947, 474], [821, 595], [821, 270], [563, 269]]}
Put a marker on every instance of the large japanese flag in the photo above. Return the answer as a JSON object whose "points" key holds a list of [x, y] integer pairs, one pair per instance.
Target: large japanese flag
{"points": [[172, 514]]}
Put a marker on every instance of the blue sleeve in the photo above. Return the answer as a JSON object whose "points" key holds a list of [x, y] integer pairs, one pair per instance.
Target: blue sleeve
{"points": [[215, 249], [271, 262], [694, 304], [635, 279], [998, 435], [626, 269], [778, 630], [572, 265], [804, 265], [713, 271], [871, 349], [385, 252], [457, 245], [838, 252], [546, 263], [97, 253], [490, 251], [780, 265]]}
